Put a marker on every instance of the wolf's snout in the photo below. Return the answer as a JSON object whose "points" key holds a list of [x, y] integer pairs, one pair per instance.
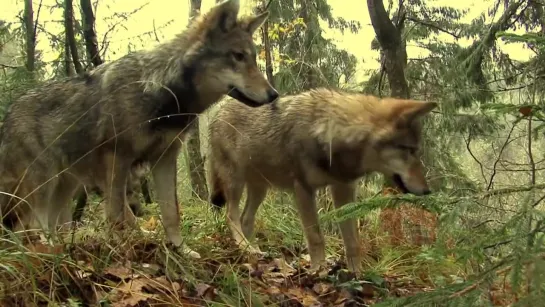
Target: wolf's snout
{"points": [[410, 185], [272, 95]]}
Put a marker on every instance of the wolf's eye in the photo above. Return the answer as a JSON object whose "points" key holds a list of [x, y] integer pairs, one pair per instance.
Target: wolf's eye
{"points": [[239, 56]]}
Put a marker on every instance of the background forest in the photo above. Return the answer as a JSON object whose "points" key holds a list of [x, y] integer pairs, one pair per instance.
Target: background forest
{"points": [[478, 241]]}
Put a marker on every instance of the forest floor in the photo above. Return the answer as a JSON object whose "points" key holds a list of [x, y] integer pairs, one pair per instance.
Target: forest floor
{"points": [[93, 268]]}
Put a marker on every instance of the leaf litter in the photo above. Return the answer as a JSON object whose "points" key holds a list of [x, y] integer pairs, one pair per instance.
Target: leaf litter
{"points": [[136, 278]]}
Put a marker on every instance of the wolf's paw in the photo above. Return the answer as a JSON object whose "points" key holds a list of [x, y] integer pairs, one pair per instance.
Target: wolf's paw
{"points": [[191, 253], [318, 269], [185, 250], [249, 248], [254, 250]]}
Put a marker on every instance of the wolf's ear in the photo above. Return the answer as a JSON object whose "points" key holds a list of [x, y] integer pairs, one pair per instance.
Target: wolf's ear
{"points": [[224, 15], [415, 110], [256, 22]]}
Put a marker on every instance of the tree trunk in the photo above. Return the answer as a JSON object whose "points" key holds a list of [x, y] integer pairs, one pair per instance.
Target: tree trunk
{"points": [[68, 68], [30, 36], [70, 35], [394, 55], [195, 161], [268, 55], [89, 33]]}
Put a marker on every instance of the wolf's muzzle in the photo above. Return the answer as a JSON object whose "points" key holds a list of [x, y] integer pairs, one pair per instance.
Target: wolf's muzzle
{"points": [[272, 95]]}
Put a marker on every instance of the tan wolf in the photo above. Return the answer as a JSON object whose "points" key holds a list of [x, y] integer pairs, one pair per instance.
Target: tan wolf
{"points": [[90, 129], [309, 141]]}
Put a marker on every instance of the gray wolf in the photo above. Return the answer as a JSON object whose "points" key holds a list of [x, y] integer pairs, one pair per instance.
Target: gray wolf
{"points": [[309, 141], [135, 185], [90, 129]]}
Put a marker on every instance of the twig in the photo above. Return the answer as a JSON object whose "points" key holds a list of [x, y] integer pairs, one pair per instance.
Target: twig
{"points": [[468, 147], [539, 228], [9, 66], [155, 32], [482, 279], [504, 191], [494, 171], [433, 26], [36, 23]]}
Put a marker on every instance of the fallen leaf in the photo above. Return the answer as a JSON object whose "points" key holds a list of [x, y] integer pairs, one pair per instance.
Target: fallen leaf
{"points": [[151, 224], [273, 290], [205, 291], [305, 298], [130, 294], [162, 283], [283, 267], [121, 273], [344, 297], [322, 288]]}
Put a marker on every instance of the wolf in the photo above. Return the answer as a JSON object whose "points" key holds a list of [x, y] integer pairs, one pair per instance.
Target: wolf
{"points": [[135, 185], [308, 141], [90, 129]]}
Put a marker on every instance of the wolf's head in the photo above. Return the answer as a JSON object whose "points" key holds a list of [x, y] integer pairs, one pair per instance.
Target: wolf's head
{"points": [[397, 146], [227, 55]]}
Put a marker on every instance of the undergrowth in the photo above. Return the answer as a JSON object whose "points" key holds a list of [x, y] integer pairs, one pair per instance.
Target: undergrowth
{"points": [[466, 265]]}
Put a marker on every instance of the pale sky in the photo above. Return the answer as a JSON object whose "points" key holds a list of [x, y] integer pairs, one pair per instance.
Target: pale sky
{"points": [[162, 11]]}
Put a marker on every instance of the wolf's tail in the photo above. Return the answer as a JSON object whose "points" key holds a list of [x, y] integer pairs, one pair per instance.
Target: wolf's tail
{"points": [[217, 195]]}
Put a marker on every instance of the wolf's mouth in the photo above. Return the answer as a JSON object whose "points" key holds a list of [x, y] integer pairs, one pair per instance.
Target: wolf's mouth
{"points": [[399, 182], [238, 95]]}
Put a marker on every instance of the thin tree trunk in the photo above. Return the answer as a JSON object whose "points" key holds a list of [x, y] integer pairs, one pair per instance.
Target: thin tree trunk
{"points": [[30, 36], [195, 161], [268, 55], [68, 68], [89, 33], [394, 52], [70, 35]]}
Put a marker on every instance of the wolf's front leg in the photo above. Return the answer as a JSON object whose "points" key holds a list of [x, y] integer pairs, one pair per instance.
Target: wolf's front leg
{"points": [[164, 176]]}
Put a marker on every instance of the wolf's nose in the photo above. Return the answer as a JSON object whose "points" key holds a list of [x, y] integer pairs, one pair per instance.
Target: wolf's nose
{"points": [[272, 95]]}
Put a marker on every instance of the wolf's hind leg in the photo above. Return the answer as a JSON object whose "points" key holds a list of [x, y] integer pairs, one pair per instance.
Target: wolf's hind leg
{"points": [[256, 193], [343, 194], [61, 210], [306, 205], [233, 193]]}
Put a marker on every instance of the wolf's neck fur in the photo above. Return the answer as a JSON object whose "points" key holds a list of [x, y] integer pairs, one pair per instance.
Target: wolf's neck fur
{"points": [[163, 65]]}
